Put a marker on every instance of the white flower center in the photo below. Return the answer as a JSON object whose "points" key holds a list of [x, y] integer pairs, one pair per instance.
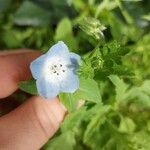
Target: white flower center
{"points": [[55, 69]]}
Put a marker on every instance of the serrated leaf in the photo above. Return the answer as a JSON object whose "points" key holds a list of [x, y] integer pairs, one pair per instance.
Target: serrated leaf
{"points": [[86, 70], [31, 14], [28, 87]]}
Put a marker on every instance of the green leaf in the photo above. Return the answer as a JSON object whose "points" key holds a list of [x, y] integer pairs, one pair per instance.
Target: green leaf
{"points": [[146, 17], [73, 120], [140, 140], [64, 32], [132, 0], [148, 125], [10, 39], [105, 5], [96, 121], [86, 70], [88, 90], [4, 4], [28, 87], [92, 111], [65, 141], [126, 125], [31, 14], [138, 96], [64, 29], [146, 87], [120, 87], [110, 60], [68, 100]]}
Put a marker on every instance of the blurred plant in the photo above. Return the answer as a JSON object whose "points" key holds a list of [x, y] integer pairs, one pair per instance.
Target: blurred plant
{"points": [[112, 117], [92, 27]]}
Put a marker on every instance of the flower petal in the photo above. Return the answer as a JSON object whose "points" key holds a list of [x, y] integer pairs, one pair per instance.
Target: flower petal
{"points": [[47, 89], [75, 59], [37, 66], [70, 83], [59, 49]]}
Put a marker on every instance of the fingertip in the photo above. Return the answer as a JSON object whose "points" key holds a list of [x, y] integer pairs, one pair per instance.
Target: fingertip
{"points": [[15, 68], [37, 119]]}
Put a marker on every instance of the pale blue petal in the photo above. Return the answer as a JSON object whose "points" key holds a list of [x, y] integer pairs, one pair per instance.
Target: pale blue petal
{"points": [[75, 59], [70, 83], [36, 66], [46, 88], [59, 49]]}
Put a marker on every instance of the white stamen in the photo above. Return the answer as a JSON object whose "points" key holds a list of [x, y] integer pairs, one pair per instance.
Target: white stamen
{"points": [[56, 68]]}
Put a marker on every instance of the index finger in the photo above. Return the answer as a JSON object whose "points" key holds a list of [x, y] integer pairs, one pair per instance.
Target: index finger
{"points": [[13, 69]]}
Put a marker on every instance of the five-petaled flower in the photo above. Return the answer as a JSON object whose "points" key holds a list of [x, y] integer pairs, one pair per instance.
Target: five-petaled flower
{"points": [[55, 71]]}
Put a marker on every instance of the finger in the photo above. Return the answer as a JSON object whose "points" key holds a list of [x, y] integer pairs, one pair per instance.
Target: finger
{"points": [[14, 68], [14, 51], [31, 125]]}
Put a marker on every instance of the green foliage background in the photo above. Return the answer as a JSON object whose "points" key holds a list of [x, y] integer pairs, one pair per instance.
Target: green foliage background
{"points": [[113, 36]]}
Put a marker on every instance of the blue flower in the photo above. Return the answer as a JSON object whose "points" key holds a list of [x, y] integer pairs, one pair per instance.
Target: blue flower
{"points": [[55, 71]]}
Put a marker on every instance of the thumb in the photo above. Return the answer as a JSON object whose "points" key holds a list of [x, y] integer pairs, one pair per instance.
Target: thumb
{"points": [[31, 125]]}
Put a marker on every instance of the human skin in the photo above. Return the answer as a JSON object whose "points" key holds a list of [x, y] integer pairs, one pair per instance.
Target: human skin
{"points": [[32, 124]]}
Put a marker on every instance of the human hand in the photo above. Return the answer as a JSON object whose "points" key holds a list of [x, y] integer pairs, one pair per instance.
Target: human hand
{"points": [[29, 126]]}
